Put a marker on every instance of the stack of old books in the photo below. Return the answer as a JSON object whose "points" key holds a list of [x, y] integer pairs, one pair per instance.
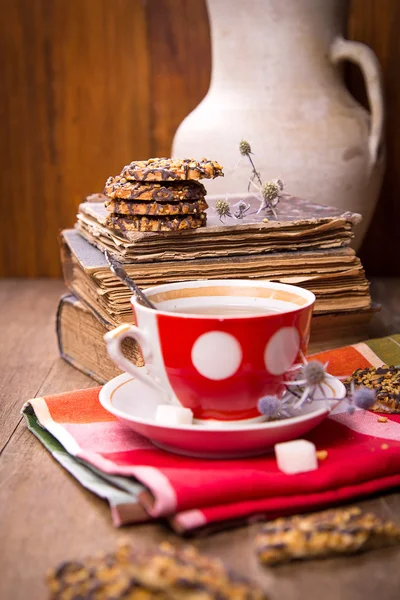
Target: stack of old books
{"points": [[306, 245]]}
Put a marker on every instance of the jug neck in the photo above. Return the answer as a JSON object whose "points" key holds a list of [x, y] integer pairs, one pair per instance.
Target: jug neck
{"points": [[254, 41]]}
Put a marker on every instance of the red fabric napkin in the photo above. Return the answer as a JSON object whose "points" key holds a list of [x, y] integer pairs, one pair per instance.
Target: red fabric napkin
{"points": [[363, 458]]}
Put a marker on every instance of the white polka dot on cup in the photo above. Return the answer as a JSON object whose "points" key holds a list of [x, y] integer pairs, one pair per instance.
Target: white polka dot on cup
{"points": [[281, 350], [217, 355]]}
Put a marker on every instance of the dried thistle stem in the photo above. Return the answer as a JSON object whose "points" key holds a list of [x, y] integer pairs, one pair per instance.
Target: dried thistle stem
{"points": [[255, 172]]}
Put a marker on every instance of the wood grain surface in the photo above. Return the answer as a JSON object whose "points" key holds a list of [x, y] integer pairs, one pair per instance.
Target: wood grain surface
{"points": [[377, 24], [180, 65], [46, 517], [88, 85], [77, 106]]}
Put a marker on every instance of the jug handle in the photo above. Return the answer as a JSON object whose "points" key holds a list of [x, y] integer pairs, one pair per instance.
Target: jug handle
{"points": [[363, 56]]}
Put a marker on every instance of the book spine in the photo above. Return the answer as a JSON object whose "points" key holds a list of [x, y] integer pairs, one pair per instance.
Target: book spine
{"points": [[64, 300], [69, 280], [66, 262]]}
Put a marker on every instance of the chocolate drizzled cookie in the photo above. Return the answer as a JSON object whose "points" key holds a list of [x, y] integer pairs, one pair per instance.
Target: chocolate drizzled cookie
{"points": [[385, 381], [138, 201], [165, 574], [156, 208], [171, 169], [169, 191], [324, 534], [155, 224]]}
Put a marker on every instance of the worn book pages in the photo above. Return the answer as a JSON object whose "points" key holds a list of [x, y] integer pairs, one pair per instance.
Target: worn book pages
{"points": [[80, 337], [301, 225], [80, 340], [335, 276]]}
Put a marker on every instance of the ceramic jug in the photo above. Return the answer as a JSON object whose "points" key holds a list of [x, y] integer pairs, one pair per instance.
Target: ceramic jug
{"points": [[277, 82]]}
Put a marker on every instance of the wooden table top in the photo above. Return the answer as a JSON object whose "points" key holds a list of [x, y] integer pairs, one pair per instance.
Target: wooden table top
{"points": [[47, 517]]}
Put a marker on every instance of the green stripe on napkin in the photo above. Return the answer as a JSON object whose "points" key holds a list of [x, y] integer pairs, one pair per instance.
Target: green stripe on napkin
{"points": [[387, 348], [121, 492]]}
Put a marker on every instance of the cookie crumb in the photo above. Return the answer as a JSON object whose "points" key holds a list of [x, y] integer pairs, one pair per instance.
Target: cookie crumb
{"points": [[382, 419], [385, 446], [322, 454]]}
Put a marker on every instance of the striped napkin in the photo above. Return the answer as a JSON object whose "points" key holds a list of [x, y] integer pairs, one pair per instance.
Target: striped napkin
{"points": [[142, 482]]}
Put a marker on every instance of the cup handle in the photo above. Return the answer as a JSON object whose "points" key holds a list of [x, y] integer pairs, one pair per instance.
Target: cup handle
{"points": [[114, 339]]}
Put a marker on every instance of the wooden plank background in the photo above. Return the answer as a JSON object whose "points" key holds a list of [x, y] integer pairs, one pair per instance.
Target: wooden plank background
{"points": [[89, 84]]}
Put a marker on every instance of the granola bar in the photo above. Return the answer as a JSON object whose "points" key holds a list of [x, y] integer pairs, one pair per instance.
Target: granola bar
{"points": [[166, 574], [156, 208], [171, 169], [385, 380], [169, 191], [324, 534]]}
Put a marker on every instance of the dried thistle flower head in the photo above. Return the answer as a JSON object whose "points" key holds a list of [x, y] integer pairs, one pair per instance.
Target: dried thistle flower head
{"points": [[243, 205], [244, 148], [223, 208], [311, 377], [364, 398], [273, 408], [314, 372], [268, 406], [242, 209], [270, 191]]}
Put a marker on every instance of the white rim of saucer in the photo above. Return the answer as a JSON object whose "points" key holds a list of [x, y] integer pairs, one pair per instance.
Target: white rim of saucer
{"points": [[105, 399]]}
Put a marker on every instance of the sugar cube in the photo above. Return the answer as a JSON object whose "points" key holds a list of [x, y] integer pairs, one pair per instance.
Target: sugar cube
{"points": [[168, 414], [297, 456]]}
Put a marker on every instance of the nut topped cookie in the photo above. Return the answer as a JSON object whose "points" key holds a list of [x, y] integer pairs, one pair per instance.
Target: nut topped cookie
{"points": [[155, 224], [119, 187], [324, 534], [171, 169], [159, 195], [385, 380], [167, 573], [156, 208]]}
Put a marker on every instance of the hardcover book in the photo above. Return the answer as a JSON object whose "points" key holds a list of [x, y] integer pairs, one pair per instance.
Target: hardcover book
{"points": [[80, 337], [301, 225], [335, 276]]}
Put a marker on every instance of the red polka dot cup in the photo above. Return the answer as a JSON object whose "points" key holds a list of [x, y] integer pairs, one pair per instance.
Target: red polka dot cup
{"points": [[216, 347]]}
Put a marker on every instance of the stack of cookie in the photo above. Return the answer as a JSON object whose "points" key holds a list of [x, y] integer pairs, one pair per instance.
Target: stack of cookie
{"points": [[159, 194]]}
